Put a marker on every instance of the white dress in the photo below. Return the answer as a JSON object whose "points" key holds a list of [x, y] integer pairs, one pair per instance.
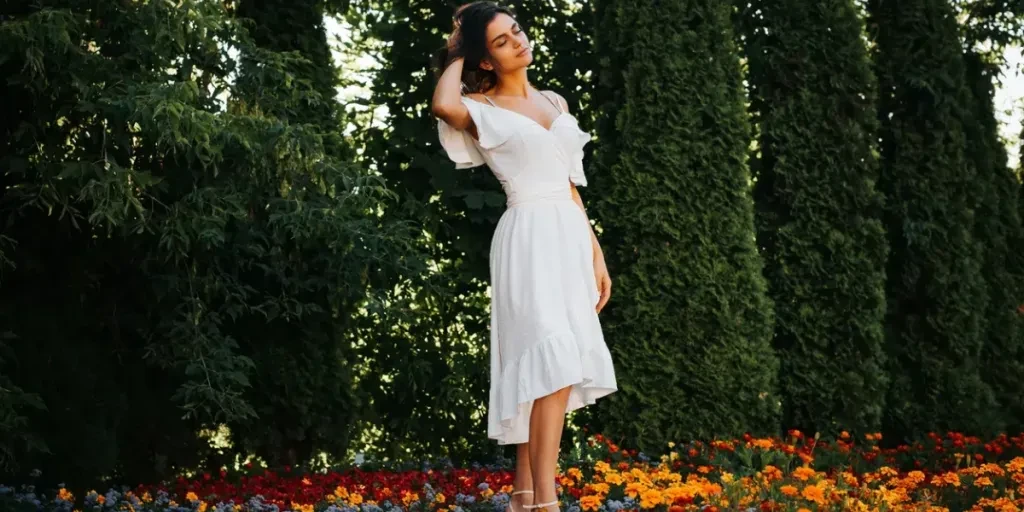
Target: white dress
{"points": [[545, 333]]}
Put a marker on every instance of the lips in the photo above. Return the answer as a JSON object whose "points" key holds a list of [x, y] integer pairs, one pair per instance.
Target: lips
{"points": [[523, 52]]}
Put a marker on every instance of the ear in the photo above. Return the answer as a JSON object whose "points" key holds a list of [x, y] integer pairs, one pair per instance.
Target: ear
{"points": [[485, 64]]}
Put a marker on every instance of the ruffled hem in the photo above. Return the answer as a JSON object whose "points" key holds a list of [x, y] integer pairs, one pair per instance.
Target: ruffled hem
{"points": [[553, 364]]}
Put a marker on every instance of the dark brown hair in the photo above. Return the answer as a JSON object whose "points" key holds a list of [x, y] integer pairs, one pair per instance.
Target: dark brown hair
{"points": [[470, 32]]}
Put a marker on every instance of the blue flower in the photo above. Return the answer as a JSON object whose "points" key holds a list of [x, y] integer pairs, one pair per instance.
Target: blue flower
{"points": [[483, 486]]}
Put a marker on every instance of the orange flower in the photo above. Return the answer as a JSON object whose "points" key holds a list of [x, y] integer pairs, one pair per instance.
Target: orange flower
{"points": [[803, 473], [983, 482], [590, 503], [951, 479], [789, 490], [814, 493], [772, 472]]}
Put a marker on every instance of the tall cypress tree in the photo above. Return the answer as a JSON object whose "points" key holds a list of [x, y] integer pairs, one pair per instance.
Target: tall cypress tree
{"points": [[997, 226], [302, 389], [818, 213], [690, 321], [936, 294]]}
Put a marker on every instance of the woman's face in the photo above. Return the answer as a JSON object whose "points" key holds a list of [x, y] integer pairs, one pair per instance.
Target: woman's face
{"points": [[507, 45]]}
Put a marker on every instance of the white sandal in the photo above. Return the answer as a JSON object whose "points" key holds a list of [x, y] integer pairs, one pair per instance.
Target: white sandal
{"points": [[509, 506], [542, 505]]}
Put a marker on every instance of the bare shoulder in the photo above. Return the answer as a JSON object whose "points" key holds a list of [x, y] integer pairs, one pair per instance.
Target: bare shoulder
{"points": [[561, 100]]}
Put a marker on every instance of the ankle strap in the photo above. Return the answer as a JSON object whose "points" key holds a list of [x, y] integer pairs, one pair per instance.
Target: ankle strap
{"points": [[541, 505], [522, 492]]}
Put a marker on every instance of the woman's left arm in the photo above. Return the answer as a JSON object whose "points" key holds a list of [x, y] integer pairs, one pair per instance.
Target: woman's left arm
{"points": [[604, 281]]}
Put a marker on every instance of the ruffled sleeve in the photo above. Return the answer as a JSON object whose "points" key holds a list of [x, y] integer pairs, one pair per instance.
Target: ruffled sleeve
{"points": [[460, 145], [577, 176]]}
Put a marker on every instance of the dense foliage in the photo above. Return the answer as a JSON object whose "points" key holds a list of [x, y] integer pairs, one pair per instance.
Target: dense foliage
{"points": [[997, 230], [160, 226], [818, 213], [690, 326], [936, 292]]}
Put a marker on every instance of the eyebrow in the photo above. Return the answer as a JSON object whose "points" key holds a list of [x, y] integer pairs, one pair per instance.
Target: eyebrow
{"points": [[514, 25]]}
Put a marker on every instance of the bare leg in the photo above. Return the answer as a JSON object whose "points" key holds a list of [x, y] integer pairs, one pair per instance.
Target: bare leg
{"points": [[523, 480], [546, 422]]}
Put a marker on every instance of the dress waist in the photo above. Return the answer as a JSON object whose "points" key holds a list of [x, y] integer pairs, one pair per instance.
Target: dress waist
{"points": [[517, 198]]}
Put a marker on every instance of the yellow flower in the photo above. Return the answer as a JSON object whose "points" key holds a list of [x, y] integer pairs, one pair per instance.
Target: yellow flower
{"points": [[850, 479], [802, 509], [613, 478], [575, 473], [302, 508], [411, 497], [651, 498], [65, 495], [357, 499], [983, 482], [191, 496], [602, 467], [1016, 465], [341, 492], [439, 498], [727, 477], [634, 489], [590, 502], [202, 506]]}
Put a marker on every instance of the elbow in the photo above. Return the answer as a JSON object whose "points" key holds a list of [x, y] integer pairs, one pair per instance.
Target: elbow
{"points": [[441, 110]]}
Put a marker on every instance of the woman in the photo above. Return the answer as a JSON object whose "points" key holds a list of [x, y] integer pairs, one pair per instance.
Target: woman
{"points": [[548, 276]]}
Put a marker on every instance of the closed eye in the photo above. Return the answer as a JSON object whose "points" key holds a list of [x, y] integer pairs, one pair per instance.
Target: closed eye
{"points": [[502, 39]]}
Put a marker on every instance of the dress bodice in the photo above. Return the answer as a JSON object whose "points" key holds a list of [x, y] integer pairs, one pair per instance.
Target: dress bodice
{"points": [[531, 162]]}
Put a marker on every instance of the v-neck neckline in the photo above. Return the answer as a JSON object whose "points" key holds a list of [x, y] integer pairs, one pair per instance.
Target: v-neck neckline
{"points": [[561, 113]]}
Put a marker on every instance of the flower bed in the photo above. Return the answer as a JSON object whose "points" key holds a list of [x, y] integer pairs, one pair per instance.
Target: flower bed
{"points": [[950, 472]]}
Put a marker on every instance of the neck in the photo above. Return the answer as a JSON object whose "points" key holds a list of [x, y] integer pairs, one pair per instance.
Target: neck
{"points": [[515, 83]]}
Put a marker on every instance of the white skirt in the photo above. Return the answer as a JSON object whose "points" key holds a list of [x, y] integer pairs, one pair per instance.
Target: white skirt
{"points": [[545, 332]]}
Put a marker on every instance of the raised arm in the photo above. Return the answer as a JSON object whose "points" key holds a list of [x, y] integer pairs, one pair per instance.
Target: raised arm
{"points": [[447, 102]]}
